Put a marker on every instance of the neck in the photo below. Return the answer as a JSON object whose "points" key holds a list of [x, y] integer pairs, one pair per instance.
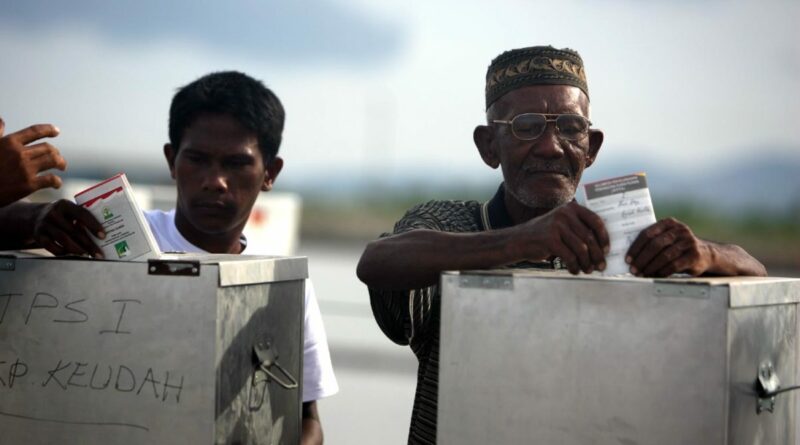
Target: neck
{"points": [[519, 212], [228, 242]]}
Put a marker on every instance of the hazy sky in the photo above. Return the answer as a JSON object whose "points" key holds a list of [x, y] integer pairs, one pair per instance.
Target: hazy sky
{"points": [[399, 85]]}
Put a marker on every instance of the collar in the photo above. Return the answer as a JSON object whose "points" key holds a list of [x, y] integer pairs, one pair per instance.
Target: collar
{"points": [[494, 214]]}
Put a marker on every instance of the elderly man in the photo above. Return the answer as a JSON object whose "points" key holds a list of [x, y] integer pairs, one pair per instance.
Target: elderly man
{"points": [[538, 132]]}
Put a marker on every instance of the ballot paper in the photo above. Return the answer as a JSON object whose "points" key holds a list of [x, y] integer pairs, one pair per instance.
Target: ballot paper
{"points": [[128, 236], [624, 205]]}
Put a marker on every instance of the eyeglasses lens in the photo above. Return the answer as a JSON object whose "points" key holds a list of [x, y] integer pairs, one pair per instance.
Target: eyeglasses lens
{"points": [[571, 126], [529, 126]]}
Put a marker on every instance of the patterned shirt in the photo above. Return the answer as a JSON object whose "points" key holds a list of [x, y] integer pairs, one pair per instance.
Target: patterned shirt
{"points": [[411, 317]]}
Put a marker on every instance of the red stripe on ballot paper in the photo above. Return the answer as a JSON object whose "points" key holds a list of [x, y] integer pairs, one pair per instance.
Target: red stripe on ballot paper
{"points": [[103, 196], [98, 185]]}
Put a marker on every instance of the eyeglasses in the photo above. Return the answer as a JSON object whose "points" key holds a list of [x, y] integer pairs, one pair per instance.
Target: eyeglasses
{"points": [[529, 126]]}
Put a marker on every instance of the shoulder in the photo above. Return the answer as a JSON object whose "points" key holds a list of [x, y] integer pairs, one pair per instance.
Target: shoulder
{"points": [[159, 218], [441, 215]]}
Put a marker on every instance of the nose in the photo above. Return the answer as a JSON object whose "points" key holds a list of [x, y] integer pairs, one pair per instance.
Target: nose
{"points": [[215, 180], [548, 145]]}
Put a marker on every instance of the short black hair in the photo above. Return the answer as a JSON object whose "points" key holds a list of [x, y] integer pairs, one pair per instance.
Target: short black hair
{"points": [[235, 94]]}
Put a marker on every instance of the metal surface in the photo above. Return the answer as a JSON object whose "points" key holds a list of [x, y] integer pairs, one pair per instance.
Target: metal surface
{"points": [[757, 336], [102, 352], [250, 412], [613, 361], [767, 292]]}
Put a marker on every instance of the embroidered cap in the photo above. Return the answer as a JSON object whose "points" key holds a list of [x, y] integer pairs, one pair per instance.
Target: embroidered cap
{"points": [[536, 65]]}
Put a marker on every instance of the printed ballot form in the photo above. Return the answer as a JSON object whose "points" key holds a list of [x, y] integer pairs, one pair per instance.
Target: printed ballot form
{"points": [[624, 205], [128, 236]]}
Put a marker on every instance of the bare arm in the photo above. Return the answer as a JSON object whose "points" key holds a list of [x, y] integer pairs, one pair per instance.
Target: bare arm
{"points": [[312, 428], [414, 259]]}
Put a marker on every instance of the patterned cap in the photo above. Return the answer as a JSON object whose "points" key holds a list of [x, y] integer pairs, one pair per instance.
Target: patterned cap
{"points": [[536, 65]]}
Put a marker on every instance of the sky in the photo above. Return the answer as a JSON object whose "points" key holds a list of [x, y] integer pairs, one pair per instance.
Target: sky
{"points": [[396, 88]]}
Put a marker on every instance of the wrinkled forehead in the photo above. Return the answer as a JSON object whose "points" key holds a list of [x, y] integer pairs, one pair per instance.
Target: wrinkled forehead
{"points": [[557, 99]]}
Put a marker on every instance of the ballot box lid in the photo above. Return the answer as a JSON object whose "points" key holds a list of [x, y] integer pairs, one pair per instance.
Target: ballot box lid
{"points": [[233, 270], [742, 291]]}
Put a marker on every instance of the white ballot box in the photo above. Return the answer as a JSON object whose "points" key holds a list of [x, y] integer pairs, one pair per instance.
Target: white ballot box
{"points": [[196, 349], [548, 358]]}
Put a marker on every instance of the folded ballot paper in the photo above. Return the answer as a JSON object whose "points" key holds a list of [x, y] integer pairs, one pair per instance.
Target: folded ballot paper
{"points": [[625, 207], [128, 236]]}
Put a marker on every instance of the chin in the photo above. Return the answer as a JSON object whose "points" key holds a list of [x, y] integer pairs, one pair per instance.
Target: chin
{"points": [[555, 198]]}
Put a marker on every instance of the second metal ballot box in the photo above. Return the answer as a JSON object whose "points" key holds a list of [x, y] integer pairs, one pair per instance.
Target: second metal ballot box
{"points": [[197, 349], [548, 358]]}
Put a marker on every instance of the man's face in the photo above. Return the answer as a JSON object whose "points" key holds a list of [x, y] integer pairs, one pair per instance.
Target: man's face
{"points": [[219, 171], [544, 172]]}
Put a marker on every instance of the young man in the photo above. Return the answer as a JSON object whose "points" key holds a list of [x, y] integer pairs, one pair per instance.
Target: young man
{"points": [[225, 130]]}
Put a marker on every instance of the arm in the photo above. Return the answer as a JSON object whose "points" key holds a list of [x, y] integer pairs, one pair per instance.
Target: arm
{"points": [[60, 227], [669, 247], [20, 163], [312, 428], [414, 259]]}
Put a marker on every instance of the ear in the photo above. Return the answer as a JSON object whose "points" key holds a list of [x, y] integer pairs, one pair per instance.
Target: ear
{"points": [[483, 135], [595, 141], [271, 171], [170, 154]]}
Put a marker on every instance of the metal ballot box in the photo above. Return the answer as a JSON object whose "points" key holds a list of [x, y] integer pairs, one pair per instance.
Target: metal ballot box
{"points": [[547, 358], [196, 349]]}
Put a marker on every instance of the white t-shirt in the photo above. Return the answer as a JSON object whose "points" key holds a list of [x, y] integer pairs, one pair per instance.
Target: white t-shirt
{"points": [[318, 378]]}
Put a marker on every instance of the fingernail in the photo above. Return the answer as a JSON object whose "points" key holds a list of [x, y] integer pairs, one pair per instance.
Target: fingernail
{"points": [[628, 259], [602, 266], [633, 270], [101, 235], [98, 256]]}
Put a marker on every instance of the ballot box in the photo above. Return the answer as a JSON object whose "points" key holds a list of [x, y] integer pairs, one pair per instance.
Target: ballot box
{"points": [[548, 358], [198, 349]]}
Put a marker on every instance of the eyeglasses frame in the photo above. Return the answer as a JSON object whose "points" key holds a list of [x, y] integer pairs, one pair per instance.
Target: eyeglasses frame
{"points": [[548, 117]]}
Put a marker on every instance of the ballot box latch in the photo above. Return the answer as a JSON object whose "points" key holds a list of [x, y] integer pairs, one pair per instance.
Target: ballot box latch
{"points": [[173, 267], [8, 263], [768, 386], [268, 368]]}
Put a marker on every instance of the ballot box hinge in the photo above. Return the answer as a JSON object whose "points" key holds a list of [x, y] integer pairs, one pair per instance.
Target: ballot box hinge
{"points": [[486, 281], [173, 267], [8, 263], [681, 290]]}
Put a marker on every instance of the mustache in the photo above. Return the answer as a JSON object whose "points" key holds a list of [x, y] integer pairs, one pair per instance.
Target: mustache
{"points": [[539, 166]]}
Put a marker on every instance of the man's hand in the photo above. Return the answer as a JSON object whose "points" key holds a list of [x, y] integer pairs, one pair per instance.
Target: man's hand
{"points": [[571, 232], [61, 226], [20, 163], [669, 247]]}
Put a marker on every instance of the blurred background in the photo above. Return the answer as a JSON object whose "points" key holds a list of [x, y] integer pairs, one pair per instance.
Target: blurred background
{"points": [[381, 100]]}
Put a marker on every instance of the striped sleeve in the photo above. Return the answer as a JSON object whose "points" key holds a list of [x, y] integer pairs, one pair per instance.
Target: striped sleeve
{"points": [[404, 315]]}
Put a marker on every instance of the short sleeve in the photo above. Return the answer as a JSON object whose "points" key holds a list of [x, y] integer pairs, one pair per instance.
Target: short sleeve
{"points": [[404, 316], [319, 380]]}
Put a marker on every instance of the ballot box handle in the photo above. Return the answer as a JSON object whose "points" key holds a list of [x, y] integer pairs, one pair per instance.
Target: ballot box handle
{"points": [[768, 385], [267, 358]]}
